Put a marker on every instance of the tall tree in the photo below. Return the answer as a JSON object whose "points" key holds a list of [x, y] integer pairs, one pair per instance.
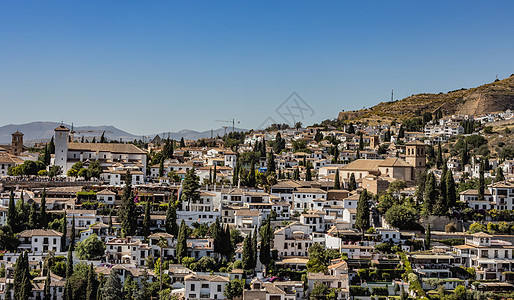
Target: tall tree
{"points": [[69, 264], [337, 182], [102, 138], [64, 230], [361, 141], [32, 216], [112, 289], [450, 189], [429, 195], [428, 237], [46, 290], [68, 290], [362, 218], [161, 167], [481, 182], [12, 215], [43, 217], [271, 163], [214, 175], [254, 247], [401, 132], [128, 208], [248, 255], [251, 176], [22, 285], [171, 219], [266, 236], [72, 234], [352, 184], [308, 174], [182, 241], [90, 289], [235, 174], [439, 160], [146, 220], [296, 174], [190, 187]]}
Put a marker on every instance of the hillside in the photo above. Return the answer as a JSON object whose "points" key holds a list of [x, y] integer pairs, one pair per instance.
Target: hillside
{"points": [[492, 97]]}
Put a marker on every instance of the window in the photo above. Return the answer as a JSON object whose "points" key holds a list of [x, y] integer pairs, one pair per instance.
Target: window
{"points": [[205, 286], [219, 287], [192, 288]]}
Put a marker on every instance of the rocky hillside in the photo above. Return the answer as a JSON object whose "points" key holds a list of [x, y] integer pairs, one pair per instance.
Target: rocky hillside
{"points": [[492, 97]]}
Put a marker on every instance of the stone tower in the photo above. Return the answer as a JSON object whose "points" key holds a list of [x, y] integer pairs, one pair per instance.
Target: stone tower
{"points": [[17, 143], [374, 142], [61, 137], [416, 156]]}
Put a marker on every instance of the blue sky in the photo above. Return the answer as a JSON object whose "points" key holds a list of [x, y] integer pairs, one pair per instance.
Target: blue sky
{"points": [[155, 66]]}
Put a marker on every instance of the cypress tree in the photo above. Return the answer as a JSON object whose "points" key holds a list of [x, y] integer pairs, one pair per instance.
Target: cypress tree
{"points": [[12, 215], [251, 176], [161, 167], [266, 234], [46, 290], [337, 183], [464, 155], [68, 290], [429, 195], [64, 230], [43, 218], [335, 159], [214, 175], [308, 175], [128, 209], [90, 289], [52, 146], [110, 223], [182, 242], [439, 160], [352, 184], [248, 255], [72, 234], [69, 264], [401, 132], [450, 190], [254, 247], [296, 174], [146, 220], [481, 182], [271, 163], [32, 216], [362, 217], [361, 141], [235, 174], [22, 285], [216, 236], [229, 250], [171, 219]]}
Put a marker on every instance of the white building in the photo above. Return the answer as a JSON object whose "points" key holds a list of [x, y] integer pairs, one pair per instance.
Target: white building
{"points": [[40, 240], [205, 286]]}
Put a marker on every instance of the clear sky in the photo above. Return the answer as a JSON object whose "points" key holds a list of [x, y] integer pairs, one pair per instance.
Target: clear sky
{"points": [[155, 66]]}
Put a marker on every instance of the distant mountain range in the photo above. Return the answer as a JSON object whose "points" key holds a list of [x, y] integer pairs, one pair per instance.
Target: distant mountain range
{"points": [[43, 131]]}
